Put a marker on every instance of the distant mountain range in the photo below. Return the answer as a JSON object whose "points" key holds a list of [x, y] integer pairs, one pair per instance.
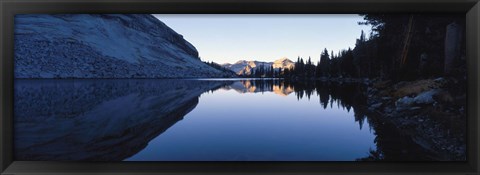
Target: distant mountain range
{"points": [[103, 46], [244, 67]]}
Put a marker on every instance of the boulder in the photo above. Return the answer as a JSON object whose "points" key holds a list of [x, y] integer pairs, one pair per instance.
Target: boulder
{"points": [[426, 97], [404, 103]]}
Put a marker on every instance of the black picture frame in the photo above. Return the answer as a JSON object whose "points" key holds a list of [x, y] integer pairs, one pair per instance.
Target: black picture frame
{"points": [[8, 8]]}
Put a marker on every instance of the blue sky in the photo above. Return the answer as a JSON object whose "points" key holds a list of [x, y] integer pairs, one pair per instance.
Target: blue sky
{"points": [[229, 38]]}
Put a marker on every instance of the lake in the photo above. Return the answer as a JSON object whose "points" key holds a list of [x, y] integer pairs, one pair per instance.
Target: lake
{"points": [[198, 120]]}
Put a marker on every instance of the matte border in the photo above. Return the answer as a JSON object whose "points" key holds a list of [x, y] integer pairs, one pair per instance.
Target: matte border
{"points": [[8, 8]]}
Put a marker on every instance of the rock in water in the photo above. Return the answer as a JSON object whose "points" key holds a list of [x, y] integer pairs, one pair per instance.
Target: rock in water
{"points": [[103, 46]]}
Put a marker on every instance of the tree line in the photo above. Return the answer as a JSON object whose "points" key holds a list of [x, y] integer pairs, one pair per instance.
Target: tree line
{"points": [[412, 46], [399, 47]]}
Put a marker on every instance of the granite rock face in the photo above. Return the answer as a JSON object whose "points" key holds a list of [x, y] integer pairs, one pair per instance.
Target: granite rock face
{"points": [[103, 46]]}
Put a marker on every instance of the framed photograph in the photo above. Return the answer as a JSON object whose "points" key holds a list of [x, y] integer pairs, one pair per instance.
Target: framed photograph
{"points": [[239, 87]]}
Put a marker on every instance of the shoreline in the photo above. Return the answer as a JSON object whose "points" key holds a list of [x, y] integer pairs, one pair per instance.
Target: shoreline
{"points": [[432, 115]]}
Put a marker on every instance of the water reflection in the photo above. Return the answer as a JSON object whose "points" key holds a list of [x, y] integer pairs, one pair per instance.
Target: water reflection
{"points": [[391, 144], [97, 119], [114, 120], [342, 95]]}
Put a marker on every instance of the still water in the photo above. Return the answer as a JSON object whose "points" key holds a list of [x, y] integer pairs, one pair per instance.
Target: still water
{"points": [[190, 120]]}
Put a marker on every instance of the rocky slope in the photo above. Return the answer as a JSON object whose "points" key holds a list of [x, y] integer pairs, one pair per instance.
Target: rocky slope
{"points": [[432, 112], [103, 46], [244, 67]]}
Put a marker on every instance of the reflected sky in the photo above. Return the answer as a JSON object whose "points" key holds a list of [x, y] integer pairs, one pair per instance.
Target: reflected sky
{"points": [[262, 126], [191, 120]]}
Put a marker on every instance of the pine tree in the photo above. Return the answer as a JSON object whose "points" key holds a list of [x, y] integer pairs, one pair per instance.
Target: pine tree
{"points": [[301, 71], [309, 70], [324, 64], [362, 37], [318, 70]]}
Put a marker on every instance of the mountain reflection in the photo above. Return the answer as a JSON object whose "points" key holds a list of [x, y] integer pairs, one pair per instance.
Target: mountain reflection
{"points": [[344, 95], [102, 120], [254, 86], [111, 120]]}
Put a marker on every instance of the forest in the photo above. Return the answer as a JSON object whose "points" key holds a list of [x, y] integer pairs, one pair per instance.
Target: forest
{"points": [[400, 48], [406, 57]]}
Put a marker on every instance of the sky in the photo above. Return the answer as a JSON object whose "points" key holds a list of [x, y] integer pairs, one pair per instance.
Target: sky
{"points": [[227, 38]]}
